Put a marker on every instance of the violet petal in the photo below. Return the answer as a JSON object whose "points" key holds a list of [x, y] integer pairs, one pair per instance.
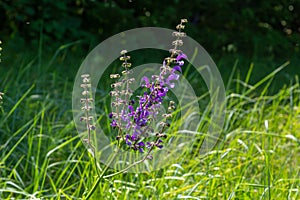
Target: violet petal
{"points": [[181, 56], [177, 68]]}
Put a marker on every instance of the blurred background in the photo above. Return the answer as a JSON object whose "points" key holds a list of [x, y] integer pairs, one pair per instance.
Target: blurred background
{"points": [[235, 33]]}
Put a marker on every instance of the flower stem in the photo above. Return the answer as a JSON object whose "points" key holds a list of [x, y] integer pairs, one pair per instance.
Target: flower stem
{"points": [[101, 176], [93, 189], [129, 166]]}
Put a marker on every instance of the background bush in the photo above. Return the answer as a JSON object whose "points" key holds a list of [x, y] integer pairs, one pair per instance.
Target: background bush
{"points": [[254, 28]]}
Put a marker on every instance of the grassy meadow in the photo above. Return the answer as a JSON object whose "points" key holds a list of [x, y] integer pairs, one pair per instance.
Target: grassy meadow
{"points": [[42, 156]]}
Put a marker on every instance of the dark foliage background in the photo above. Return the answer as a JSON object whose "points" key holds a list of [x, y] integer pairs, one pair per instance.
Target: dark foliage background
{"points": [[250, 30]]}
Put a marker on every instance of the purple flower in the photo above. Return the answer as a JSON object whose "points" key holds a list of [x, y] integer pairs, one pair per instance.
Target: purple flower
{"points": [[161, 93], [181, 56], [130, 107], [136, 119], [141, 145], [177, 68], [173, 77], [180, 63], [158, 144], [127, 139], [124, 115], [136, 132], [146, 80], [128, 125], [134, 137], [131, 102], [113, 123], [148, 145]]}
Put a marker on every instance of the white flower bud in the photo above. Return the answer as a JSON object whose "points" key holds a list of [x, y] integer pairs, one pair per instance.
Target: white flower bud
{"points": [[123, 52], [114, 76], [177, 43], [85, 76]]}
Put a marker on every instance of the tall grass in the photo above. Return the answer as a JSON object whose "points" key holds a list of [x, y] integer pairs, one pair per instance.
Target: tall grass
{"points": [[42, 156]]}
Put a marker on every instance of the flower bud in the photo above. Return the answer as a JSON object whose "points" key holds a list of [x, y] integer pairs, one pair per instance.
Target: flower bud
{"points": [[126, 65], [114, 76], [85, 76], [131, 80], [149, 157], [123, 52], [86, 107], [178, 34], [170, 60], [118, 137], [85, 93], [124, 58], [86, 80], [82, 119], [114, 93], [92, 127], [84, 85], [184, 20], [113, 85], [167, 116], [177, 43], [179, 27], [175, 51]]}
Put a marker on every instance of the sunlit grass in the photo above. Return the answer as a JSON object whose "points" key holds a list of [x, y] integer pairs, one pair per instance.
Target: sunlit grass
{"points": [[42, 156]]}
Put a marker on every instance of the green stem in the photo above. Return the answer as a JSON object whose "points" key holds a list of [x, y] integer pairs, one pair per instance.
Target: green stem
{"points": [[100, 177], [128, 167], [111, 175]]}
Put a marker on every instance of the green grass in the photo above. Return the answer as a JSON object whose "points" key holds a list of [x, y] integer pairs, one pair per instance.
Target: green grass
{"points": [[42, 156]]}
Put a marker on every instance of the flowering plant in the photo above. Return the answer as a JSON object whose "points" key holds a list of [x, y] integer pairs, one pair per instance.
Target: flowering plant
{"points": [[134, 117]]}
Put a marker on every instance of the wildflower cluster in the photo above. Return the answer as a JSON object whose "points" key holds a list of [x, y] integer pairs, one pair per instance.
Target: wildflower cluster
{"points": [[135, 119], [86, 105]]}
